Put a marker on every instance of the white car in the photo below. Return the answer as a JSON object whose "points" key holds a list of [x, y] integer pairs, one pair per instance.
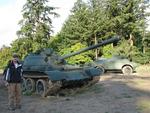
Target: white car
{"points": [[116, 63]]}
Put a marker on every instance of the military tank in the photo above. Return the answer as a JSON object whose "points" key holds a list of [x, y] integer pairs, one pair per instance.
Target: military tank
{"points": [[45, 72]]}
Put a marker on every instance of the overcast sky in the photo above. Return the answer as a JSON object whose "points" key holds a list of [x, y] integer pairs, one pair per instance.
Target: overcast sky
{"points": [[10, 11]]}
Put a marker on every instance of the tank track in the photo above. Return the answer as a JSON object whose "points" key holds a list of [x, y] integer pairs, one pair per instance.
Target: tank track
{"points": [[52, 88]]}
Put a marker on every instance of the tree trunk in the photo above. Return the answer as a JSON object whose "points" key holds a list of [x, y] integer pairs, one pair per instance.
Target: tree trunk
{"points": [[96, 51], [131, 40]]}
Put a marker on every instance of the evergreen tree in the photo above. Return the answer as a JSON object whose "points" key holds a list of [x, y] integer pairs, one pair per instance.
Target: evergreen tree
{"points": [[22, 46], [36, 25], [84, 24], [75, 28], [146, 43], [127, 18], [96, 20]]}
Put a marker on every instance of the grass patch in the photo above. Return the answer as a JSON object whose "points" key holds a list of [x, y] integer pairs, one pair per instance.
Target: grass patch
{"points": [[97, 88], [144, 106], [118, 97], [125, 95], [27, 93], [1, 71], [143, 69]]}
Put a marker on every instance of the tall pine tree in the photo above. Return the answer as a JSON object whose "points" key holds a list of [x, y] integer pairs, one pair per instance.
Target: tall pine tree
{"points": [[36, 25], [75, 28]]}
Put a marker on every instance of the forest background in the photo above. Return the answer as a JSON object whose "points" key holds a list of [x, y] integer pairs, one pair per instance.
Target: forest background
{"points": [[89, 23]]}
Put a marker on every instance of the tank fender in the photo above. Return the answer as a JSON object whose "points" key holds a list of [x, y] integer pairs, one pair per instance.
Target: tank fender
{"points": [[66, 75], [93, 71]]}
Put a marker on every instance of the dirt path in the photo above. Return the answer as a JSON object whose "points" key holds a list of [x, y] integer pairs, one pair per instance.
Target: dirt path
{"points": [[113, 94]]}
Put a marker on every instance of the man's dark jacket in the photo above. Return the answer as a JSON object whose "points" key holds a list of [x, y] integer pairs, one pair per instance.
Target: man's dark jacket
{"points": [[14, 73]]}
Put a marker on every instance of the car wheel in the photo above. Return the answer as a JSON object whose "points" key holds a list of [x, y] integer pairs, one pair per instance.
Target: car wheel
{"points": [[127, 70]]}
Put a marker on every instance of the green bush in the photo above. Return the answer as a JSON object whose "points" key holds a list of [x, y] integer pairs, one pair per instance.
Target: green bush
{"points": [[77, 59], [5, 56], [108, 51], [143, 69]]}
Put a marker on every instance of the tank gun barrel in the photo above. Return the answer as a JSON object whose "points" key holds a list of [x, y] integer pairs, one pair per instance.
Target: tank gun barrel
{"points": [[105, 42]]}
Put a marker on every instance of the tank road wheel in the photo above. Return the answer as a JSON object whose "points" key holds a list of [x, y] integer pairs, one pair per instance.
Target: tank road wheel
{"points": [[127, 70], [41, 87], [23, 84], [30, 85]]}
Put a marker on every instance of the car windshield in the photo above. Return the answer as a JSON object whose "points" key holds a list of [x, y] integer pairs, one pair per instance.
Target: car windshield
{"points": [[114, 58]]}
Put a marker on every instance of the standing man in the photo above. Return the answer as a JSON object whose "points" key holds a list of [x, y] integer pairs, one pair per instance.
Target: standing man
{"points": [[13, 77]]}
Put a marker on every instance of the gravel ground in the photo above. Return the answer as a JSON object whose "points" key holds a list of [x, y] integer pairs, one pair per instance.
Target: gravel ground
{"points": [[114, 93]]}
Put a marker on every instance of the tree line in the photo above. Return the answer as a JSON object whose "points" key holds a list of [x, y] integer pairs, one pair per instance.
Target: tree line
{"points": [[89, 23]]}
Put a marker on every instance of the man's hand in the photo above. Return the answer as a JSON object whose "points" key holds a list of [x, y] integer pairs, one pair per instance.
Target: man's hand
{"points": [[6, 84]]}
